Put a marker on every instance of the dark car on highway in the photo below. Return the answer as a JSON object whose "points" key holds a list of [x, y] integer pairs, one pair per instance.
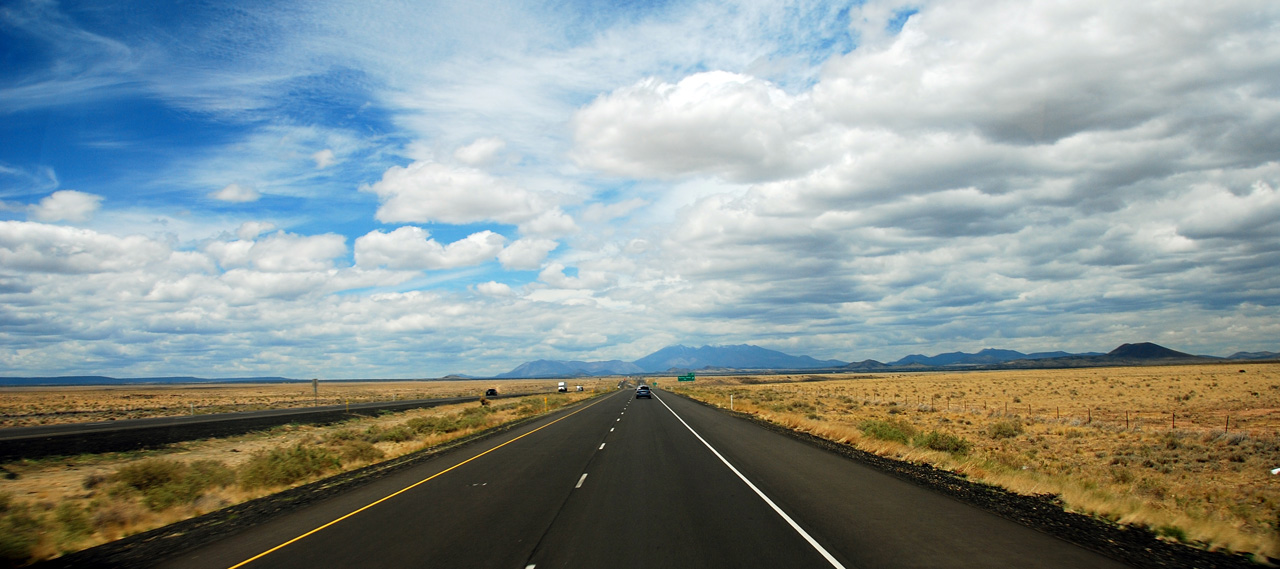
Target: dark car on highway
{"points": [[491, 393], [643, 391]]}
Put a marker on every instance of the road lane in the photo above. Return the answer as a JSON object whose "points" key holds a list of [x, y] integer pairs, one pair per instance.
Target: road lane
{"points": [[867, 518], [656, 497], [488, 512]]}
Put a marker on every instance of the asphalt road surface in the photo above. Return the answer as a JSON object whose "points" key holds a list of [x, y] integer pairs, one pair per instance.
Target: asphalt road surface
{"points": [[621, 482]]}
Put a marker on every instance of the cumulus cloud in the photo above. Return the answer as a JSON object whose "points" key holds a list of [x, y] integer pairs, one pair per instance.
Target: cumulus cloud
{"points": [[526, 254], [280, 252], [425, 192], [411, 248], [496, 289], [714, 123], [600, 213], [66, 205], [554, 275], [236, 193], [38, 247], [250, 230], [550, 223], [480, 152]]}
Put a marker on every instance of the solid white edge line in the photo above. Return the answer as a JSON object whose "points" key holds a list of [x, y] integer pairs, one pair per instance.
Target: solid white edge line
{"points": [[791, 522], [581, 480]]}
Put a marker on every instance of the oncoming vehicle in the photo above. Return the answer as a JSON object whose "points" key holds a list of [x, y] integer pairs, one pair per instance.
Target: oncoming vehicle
{"points": [[491, 393], [643, 391], [579, 388], [562, 388]]}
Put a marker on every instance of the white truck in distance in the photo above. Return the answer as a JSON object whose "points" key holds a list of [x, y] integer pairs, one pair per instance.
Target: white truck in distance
{"points": [[562, 388]]}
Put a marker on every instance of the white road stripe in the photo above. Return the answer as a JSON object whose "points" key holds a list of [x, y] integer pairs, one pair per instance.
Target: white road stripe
{"points": [[791, 522], [601, 446], [581, 480]]}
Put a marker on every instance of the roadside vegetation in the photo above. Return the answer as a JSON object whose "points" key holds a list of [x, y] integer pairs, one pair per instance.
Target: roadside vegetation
{"points": [[1186, 451], [53, 506], [27, 406]]}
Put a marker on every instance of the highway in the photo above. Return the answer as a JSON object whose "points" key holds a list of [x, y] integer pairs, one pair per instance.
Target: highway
{"points": [[621, 482]]}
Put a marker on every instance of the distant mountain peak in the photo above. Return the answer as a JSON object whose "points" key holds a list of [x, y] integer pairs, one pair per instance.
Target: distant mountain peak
{"points": [[1146, 351]]}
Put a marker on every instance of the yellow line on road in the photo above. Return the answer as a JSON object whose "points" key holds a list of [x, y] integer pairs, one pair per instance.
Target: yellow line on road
{"points": [[405, 489]]}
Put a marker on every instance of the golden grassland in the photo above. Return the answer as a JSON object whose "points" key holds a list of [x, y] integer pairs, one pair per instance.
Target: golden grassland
{"points": [[26, 406], [52, 506], [1184, 450]]}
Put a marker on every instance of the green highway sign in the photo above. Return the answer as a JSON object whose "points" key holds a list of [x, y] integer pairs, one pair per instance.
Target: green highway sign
{"points": [[685, 377]]}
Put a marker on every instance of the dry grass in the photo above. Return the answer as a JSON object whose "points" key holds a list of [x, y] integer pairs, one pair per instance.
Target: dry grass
{"points": [[53, 506], [1184, 450], [25, 406]]}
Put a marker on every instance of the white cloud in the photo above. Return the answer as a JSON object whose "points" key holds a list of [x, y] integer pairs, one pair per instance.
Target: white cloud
{"points": [[554, 275], [600, 213], [480, 152], [324, 159], [250, 230], [411, 248], [66, 205], [37, 247], [526, 254], [714, 123], [425, 192], [550, 223], [280, 252], [236, 193], [495, 289]]}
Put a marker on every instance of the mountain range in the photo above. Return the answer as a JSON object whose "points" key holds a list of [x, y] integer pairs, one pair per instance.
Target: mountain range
{"points": [[748, 357]]}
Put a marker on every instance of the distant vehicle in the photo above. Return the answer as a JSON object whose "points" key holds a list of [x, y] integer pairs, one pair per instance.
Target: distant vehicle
{"points": [[491, 393], [562, 388], [643, 391], [579, 388]]}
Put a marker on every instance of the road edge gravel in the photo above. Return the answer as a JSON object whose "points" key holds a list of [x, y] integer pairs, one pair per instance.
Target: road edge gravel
{"points": [[1134, 545]]}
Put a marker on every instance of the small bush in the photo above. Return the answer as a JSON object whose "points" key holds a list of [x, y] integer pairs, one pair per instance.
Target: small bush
{"points": [[342, 435], [360, 451], [944, 442], [164, 483], [1004, 429], [20, 531], [897, 431], [285, 465], [397, 434], [74, 519], [432, 425], [1173, 532]]}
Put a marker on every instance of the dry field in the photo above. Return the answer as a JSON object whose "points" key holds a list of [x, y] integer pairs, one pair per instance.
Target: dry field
{"points": [[25, 406], [1184, 450], [52, 506]]}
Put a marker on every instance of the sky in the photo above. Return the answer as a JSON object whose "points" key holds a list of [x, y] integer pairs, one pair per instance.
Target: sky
{"points": [[372, 189]]}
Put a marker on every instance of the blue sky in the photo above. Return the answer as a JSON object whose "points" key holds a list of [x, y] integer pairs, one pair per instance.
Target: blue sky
{"points": [[382, 189]]}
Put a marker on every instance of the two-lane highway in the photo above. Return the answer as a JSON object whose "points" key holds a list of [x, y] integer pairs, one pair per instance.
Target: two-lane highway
{"points": [[621, 482]]}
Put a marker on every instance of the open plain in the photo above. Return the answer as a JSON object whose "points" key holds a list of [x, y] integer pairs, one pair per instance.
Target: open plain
{"points": [[1186, 451], [27, 406]]}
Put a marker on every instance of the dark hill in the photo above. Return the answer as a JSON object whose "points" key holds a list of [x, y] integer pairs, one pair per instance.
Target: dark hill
{"points": [[1146, 351]]}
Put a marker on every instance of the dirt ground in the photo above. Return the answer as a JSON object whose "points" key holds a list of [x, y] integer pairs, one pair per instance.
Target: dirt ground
{"points": [[25, 406]]}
